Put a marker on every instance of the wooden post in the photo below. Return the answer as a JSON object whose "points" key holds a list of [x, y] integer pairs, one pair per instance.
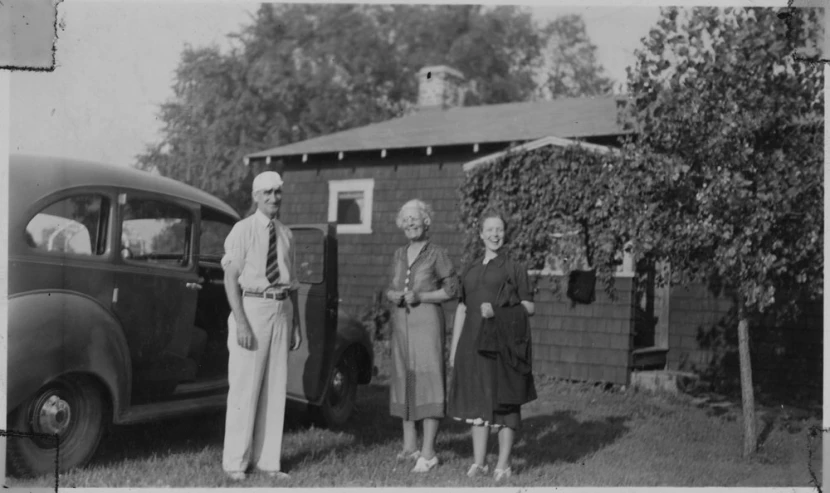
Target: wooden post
{"points": [[662, 309], [747, 392]]}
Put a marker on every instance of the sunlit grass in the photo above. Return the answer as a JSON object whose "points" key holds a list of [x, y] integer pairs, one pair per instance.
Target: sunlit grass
{"points": [[573, 435]]}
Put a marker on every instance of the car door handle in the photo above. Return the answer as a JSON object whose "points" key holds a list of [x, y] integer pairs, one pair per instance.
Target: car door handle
{"points": [[193, 285]]}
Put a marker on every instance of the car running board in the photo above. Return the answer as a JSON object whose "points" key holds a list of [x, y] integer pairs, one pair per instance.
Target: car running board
{"points": [[171, 409], [212, 386]]}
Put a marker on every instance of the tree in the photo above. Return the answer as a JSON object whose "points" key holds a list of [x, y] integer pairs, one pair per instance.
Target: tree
{"points": [[729, 158], [571, 67], [300, 71]]}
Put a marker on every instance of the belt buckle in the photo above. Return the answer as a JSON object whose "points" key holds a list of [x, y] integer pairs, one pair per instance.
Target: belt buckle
{"points": [[275, 295]]}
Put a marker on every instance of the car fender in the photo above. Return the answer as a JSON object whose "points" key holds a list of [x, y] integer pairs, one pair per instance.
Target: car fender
{"points": [[56, 332]]}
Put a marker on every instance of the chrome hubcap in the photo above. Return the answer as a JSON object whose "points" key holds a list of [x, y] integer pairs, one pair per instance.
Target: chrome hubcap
{"points": [[54, 416], [337, 381]]}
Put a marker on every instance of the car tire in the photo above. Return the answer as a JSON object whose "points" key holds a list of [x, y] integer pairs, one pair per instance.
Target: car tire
{"points": [[74, 408], [341, 393]]}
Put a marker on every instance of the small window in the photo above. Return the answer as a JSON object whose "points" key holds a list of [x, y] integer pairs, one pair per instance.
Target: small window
{"points": [[155, 232], [350, 205], [309, 248], [75, 225]]}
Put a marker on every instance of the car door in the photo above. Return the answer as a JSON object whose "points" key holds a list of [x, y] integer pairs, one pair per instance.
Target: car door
{"points": [[156, 287], [316, 267], [66, 244]]}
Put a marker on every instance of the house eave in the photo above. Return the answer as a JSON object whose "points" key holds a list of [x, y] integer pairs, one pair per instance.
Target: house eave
{"points": [[382, 153], [427, 149]]}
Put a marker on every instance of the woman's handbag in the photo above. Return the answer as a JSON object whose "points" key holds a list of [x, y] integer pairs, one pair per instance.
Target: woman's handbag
{"points": [[582, 286]]}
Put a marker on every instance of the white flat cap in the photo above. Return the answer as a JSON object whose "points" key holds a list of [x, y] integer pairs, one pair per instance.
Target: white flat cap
{"points": [[267, 180]]}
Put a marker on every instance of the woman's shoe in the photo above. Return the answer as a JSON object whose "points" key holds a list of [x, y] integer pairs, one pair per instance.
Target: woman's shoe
{"points": [[499, 474], [476, 470], [424, 465], [406, 455], [236, 475]]}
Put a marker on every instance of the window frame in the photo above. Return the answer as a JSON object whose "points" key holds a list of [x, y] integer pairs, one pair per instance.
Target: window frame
{"points": [[210, 214], [192, 238], [109, 208], [323, 238], [364, 185]]}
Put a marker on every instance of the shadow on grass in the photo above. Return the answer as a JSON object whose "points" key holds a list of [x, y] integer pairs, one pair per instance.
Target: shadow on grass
{"points": [[543, 439], [161, 438], [561, 437], [370, 425], [548, 439]]}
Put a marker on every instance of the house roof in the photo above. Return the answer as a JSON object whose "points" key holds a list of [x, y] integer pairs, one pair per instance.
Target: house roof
{"points": [[572, 118]]}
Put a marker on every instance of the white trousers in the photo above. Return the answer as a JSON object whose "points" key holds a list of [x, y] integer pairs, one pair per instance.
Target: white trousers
{"points": [[257, 379]]}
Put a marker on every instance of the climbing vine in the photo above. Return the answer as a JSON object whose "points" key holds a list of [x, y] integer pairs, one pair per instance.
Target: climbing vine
{"points": [[558, 208]]}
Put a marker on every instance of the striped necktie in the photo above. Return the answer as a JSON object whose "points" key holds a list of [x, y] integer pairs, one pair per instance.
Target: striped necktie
{"points": [[272, 270]]}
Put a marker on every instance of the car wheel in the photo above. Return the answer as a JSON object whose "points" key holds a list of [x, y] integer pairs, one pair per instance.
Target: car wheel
{"points": [[341, 394], [71, 407]]}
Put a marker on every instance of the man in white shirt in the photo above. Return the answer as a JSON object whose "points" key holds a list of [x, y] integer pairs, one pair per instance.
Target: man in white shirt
{"points": [[261, 285]]}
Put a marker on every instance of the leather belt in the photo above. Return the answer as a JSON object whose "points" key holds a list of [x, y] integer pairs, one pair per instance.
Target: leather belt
{"points": [[269, 295]]}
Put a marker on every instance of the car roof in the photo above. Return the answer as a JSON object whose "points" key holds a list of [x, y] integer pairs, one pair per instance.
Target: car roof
{"points": [[33, 177]]}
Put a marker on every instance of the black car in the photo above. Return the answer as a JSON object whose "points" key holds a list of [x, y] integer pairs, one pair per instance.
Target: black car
{"points": [[118, 314]]}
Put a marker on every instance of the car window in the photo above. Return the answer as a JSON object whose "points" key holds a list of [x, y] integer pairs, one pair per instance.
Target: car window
{"points": [[155, 232], [309, 255], [75, 225]]}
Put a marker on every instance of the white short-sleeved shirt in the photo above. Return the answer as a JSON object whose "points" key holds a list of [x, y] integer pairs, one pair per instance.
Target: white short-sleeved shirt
{"points": [[246, 247]]}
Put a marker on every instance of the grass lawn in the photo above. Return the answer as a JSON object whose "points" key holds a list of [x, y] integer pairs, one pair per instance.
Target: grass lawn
{"points": [[573, 435]]}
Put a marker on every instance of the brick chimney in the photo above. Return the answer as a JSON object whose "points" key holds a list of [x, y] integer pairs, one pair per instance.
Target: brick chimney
{"points": [[440, 87]]}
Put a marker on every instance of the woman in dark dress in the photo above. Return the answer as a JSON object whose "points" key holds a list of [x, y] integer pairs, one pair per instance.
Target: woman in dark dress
{"points": [[422, 278], [486, 390]]}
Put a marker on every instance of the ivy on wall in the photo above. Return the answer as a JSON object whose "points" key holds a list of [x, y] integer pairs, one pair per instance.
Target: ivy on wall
{"points": [[558, 206]]}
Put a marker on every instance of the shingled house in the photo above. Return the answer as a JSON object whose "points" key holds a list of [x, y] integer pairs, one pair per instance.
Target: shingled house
{"points": [[360, 177]]}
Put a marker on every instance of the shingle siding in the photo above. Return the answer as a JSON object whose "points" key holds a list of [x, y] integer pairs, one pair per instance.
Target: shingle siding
{"points": [[364, 259], [588, 342]]}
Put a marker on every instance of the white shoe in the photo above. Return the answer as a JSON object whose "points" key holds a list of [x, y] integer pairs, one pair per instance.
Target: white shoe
{"points": [[277, 474], [476, 470], [236, 475], [404, 455], [499, 474], [424, 465]]}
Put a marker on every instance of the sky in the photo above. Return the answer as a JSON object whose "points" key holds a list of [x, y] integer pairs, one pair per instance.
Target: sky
{"points": [[116, 63]]}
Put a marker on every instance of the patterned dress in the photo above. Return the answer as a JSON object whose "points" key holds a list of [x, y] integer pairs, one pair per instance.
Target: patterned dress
{"points": [[472, 387], [417, 388]]}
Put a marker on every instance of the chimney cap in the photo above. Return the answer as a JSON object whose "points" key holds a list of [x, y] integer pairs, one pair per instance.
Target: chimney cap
{"points": [[441, 69]]}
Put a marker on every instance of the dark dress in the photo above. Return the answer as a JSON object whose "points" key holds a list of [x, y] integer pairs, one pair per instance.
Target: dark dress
{"points": [[417, 385], [474, 384]]}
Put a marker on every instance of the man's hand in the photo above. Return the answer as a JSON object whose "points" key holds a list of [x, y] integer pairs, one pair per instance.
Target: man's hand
{"points": [[296, 337], [244, 334]]}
